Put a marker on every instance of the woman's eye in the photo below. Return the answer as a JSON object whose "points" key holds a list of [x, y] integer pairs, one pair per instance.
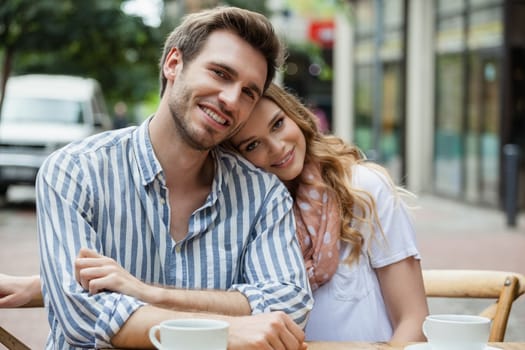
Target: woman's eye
{"points": [[278, 123], [251, 146]]}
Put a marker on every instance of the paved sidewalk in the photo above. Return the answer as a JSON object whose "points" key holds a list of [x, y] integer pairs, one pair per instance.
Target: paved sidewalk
{"points": [[454, 235], [450, 235]]}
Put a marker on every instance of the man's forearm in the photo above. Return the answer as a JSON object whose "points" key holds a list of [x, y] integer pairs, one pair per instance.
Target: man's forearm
{"points": [[273, 330], [134, 334], [232, 303]]}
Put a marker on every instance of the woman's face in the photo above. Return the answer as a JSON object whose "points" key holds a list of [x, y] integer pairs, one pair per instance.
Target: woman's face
{"points": [[272, 141]]}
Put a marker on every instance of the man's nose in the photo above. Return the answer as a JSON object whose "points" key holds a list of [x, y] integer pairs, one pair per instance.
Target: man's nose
{"points": [[230, 96]]}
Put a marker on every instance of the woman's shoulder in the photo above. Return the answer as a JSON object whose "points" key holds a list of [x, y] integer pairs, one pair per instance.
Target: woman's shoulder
{"points": [[371, 178]]}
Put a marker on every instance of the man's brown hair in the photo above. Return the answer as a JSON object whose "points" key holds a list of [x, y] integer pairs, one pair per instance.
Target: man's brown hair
{"points": [[189, 37]]}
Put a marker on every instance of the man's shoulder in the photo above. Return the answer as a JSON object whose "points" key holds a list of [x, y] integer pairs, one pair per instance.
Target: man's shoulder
{"points": [[233, 163], [235, 169], [98, 142], [98, 146], [238, 176]]}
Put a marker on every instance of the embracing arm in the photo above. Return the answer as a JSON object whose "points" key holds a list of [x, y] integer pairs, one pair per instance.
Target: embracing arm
{"points": [[98, 273], [273, 330], [404, 295], [272, 277], [273, 273]]}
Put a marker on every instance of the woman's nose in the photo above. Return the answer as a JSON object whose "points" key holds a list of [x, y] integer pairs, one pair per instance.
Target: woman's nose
{"points": [[276, 145]]}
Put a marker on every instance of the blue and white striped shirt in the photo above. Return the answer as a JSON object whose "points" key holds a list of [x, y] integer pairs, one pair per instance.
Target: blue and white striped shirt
{"points": [[108, 193]]}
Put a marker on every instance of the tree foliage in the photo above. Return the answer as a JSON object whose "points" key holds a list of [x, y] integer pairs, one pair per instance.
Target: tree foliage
{"points": [[88, 38]]}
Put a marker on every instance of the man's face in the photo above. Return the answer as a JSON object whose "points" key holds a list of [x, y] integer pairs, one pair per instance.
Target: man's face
{"points": [[213, 95]]}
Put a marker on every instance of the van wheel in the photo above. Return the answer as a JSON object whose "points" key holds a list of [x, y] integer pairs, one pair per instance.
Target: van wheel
{"points": [[3, 190]]}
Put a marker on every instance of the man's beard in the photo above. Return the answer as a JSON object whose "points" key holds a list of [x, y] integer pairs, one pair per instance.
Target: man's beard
{"points": [[179, 109]]}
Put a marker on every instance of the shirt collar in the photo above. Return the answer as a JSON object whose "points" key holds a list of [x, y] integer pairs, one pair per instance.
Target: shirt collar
{"points": [[148, 164]]}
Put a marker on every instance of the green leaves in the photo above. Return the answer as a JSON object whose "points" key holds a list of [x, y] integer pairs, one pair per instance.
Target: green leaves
{"points": [[90, 38]]}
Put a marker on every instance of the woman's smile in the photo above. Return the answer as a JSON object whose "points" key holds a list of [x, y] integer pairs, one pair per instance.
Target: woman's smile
{"points": [[286, 160]]}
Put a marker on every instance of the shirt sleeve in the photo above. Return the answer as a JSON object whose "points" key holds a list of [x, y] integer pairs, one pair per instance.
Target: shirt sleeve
{"points": [[273, 265], [397, 240], [65, 207]]}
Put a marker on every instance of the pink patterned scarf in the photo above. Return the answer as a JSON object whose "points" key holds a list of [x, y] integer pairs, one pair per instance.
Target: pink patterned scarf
{"points": [[318, 225]]}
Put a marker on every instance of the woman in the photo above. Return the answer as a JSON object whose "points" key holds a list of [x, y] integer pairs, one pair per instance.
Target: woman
{"points": [[357, 239]]}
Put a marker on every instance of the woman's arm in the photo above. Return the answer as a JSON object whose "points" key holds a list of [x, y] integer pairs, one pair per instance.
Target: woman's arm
{"points": [[17, 291], [404, 294]]}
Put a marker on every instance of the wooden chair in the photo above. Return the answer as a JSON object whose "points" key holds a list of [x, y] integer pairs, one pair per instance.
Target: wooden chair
{"points": [[504, 287]]}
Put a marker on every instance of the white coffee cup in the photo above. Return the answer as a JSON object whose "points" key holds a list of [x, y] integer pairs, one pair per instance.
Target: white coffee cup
{"points": [[194, 334], [456, 332]]}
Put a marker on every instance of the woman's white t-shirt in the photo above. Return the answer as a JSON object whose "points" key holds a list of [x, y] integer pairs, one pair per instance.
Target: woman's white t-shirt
{"points": [[350, 306]]}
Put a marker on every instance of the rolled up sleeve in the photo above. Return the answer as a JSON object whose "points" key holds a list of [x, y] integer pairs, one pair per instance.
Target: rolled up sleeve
{"points": [[273, 265]]}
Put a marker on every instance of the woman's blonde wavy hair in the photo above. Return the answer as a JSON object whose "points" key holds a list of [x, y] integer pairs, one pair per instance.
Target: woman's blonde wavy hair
{"points": [[336, 159]]}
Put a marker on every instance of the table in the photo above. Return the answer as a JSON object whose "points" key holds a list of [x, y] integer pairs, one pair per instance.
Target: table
{"points": [[316, 345], [386, 346]]}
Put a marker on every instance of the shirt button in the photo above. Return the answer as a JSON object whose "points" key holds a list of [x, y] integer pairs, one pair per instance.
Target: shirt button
{"points": [[178, 248], [162, 201]]}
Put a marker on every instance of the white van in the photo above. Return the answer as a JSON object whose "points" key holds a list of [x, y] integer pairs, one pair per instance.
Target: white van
{"points": [[42, 113]]}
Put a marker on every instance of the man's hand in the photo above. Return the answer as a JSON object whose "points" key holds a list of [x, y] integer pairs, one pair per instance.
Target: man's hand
{"points": [[17, 291], [97, 273], [272, 331]]}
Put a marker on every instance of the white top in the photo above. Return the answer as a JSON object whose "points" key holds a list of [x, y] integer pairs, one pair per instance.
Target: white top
{"points": [[350, 306]]}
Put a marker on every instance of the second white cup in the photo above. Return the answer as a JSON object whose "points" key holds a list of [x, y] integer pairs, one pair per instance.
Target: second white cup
{"points": [[456, 332], [195, 334]]}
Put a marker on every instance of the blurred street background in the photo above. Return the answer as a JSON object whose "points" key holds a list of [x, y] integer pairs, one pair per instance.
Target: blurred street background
{"points": [[434, 90]]}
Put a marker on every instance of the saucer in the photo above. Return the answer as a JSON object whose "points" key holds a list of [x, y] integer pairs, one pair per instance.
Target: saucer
{"points": [[426, 346]]}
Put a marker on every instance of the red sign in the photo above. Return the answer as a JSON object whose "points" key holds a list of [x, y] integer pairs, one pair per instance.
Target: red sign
{"points": [[322, 32]]}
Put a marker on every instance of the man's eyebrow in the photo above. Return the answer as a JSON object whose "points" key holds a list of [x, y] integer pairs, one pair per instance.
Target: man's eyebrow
{"points": [[234, 73]]}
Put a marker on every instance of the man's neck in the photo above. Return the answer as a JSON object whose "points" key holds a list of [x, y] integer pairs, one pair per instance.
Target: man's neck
{"points": [[184, 167]]}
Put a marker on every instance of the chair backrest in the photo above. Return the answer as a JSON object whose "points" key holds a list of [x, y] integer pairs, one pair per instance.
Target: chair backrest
{"points": [[504, 287]]}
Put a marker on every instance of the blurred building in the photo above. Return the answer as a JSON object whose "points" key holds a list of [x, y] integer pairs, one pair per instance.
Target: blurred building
{"points": [[434, 89]]}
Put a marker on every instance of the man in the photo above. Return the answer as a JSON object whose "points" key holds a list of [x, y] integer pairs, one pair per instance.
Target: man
{"points": [[162, 202]]}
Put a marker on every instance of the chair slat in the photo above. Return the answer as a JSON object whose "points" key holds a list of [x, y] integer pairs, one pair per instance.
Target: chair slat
{"points": [[502, 286]]}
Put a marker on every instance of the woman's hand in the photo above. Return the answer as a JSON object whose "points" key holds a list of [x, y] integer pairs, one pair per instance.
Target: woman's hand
{"points": [[17, 291], [97, 273]]}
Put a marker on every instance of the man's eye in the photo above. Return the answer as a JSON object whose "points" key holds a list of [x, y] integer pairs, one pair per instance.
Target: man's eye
{"points": [[249, 93], [219, 73]]}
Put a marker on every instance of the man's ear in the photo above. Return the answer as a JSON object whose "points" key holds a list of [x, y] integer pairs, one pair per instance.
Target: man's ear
{"points": [[173, 64]]}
